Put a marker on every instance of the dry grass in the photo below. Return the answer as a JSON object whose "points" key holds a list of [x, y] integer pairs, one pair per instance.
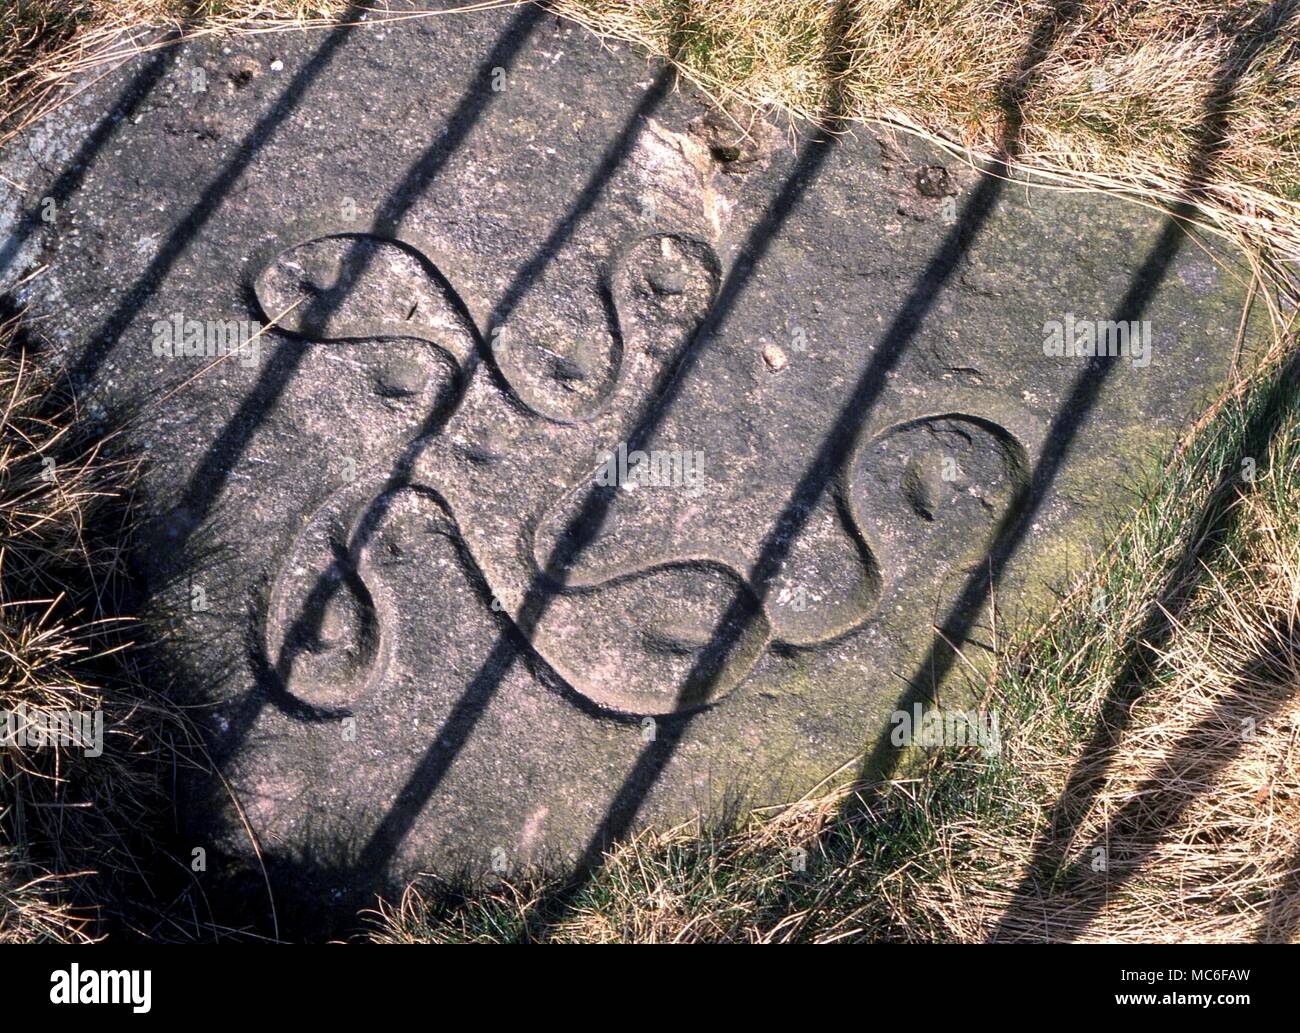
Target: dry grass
{"points": [[64, 521], [1188, 828], [47, 44], [1120, 94], [1169, 101]]}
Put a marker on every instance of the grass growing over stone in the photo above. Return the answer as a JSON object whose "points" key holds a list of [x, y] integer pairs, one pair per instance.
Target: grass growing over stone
{"points": [[1102, 93], [1153, 716], [46, 44], [1098, 93]]}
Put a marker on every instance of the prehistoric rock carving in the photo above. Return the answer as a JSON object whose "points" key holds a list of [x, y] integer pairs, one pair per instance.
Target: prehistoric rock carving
{"points": [[606, 583]]}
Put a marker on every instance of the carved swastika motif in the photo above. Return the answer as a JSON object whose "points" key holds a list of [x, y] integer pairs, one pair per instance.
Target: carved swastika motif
{"points": [[624, 575]]}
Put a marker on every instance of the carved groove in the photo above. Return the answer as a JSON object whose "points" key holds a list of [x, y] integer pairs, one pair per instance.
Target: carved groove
{"points": [[632, 633]]}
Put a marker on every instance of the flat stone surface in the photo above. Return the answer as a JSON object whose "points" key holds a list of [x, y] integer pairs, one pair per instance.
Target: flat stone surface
{"points": [[432, 622]]}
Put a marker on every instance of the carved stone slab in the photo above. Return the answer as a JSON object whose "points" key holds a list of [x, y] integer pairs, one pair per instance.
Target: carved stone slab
{"points": [[596, 472]]}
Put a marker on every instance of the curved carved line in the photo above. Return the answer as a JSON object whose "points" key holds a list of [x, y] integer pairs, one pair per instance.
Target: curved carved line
{"points": [[844, 491]]}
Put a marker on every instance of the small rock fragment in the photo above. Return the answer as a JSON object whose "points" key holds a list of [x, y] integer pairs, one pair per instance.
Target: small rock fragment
{"points": [[775, 357]]}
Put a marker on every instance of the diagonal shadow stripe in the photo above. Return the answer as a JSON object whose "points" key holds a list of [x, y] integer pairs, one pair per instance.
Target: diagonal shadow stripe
{"points": [[273, 678], [1087, 776], [1282, 918], [613, 157], [1014, 525], [834, 452], [142, 83], [1212, 531], [1160, 802], [213, 472], [101, 343]]}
